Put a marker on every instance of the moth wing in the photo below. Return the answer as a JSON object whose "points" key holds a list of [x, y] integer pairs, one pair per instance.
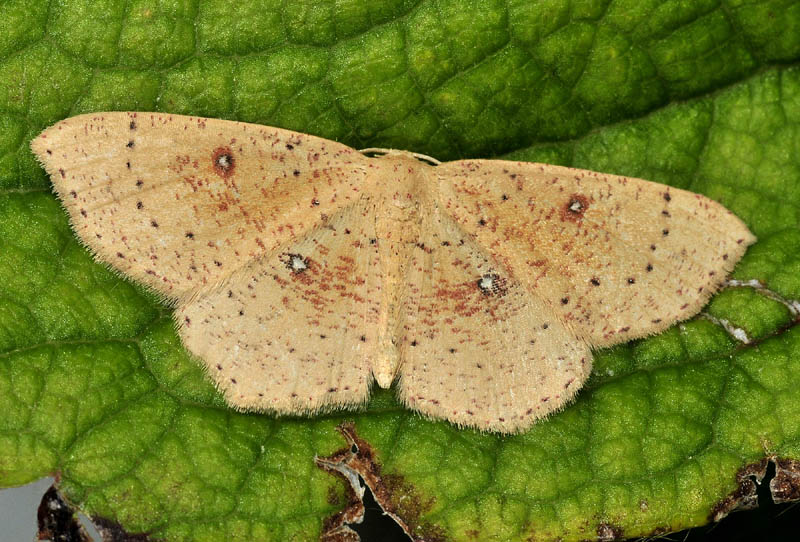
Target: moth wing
{"points": [[616, 258], [293, 332], [478, 348], [180, 202]]}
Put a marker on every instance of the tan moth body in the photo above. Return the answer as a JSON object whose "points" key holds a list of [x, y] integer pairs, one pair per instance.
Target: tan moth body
{"points": [[301, 269]]}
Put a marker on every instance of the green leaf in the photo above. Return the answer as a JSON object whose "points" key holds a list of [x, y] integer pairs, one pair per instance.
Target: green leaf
{"points": [[95, 386]]}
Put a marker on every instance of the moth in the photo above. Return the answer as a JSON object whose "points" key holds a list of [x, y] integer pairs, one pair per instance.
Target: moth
{"points": [[300, 269]]}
